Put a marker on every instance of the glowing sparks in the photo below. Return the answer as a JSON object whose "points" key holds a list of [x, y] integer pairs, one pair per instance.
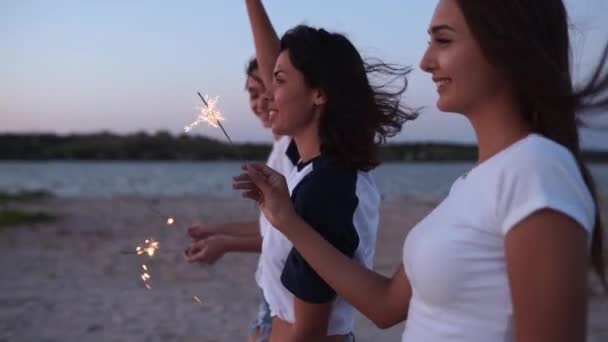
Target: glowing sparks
{"points": [[145, 277], [170, 221], [150, 247], [197, 299], [209, 114]]}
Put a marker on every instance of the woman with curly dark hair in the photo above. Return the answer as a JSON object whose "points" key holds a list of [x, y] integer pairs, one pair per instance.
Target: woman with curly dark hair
{"points": [[321, 96]]}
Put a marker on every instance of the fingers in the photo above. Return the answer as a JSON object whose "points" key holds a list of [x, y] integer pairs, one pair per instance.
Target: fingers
{"points": [[198, 256], [199, 232], [247, 186], [243, 177], [193, 231], [196, 252], [254, 195], [258, 178], [264, 170]]}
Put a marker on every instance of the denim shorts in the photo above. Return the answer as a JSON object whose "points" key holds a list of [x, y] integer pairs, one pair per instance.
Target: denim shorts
{"points": [[262, 322]]}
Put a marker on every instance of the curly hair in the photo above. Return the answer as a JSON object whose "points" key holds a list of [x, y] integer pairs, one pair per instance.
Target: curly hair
{"points": [[358, 116]]}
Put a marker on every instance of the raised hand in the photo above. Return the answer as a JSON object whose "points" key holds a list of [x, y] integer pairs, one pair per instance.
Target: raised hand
{"points": [[269, 189]]}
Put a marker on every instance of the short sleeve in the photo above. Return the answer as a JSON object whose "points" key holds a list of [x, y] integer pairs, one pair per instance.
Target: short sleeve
{"points": [[543, 183], [327, 203], [284, 155]]}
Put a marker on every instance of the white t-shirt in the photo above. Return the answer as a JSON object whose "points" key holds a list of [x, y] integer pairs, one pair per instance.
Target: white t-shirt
{"points": [[283, 158], [454, 258], [340, 203]]}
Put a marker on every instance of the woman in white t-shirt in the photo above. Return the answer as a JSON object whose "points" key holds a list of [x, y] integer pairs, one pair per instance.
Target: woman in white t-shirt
{"points": [[210, 242], [505, 256]]}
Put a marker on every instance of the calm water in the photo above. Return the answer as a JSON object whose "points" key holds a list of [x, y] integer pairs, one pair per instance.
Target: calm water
{"points": [[107, 179]]}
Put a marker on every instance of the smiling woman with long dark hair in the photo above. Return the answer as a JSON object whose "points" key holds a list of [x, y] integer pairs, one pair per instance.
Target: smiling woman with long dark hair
{"points": [[504, 257]]}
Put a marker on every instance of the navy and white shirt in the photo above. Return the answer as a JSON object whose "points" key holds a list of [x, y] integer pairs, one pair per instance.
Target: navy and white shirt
{"points": [[340, 203]]}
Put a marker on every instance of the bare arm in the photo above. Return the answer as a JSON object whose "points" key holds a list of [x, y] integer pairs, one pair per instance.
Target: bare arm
{"points": [[383, 300], [241, 229], [251, 244], [204, 231], [547, 260], [211, 249], [267, 44], [311, 321]]}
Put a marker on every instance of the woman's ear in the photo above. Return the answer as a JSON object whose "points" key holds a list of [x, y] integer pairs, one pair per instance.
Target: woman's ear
{"points": [[319, 97]]}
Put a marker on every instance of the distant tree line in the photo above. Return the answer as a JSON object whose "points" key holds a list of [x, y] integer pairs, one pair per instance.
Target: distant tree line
{"points": [[164, 146], [108, 146]]}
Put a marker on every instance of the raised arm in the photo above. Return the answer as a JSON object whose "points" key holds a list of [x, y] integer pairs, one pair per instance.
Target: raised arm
{"points": [[267, 44]]}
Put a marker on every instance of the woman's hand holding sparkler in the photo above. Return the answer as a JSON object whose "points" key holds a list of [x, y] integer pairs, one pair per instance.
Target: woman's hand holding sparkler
{"points": [[269, 189], [207, 250]]}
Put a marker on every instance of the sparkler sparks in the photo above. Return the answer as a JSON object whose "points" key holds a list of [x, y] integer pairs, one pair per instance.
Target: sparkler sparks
{"points": [[211, 115], [149, 247], [208, 113]]}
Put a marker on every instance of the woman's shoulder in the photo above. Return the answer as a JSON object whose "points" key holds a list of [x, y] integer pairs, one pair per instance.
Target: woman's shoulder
{"points": [[540, 173], [539, 148], [533, 154]]}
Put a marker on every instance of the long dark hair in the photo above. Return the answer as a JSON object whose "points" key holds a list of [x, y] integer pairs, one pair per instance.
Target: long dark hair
{"points": [[358, 116], [529, 42]]}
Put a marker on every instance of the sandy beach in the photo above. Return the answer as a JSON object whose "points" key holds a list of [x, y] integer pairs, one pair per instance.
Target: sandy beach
{"points": [[70, 281]]}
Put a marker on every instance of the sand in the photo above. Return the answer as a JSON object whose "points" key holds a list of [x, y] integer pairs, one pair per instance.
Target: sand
{"points": [[69, 281]]}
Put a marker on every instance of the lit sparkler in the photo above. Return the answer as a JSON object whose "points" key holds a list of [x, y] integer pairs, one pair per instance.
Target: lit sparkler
{"points": [[212, 116], [149, 247], [209, 114]]}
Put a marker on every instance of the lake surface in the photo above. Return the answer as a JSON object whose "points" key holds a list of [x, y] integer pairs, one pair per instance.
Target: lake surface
{"points": [[107, 179]]}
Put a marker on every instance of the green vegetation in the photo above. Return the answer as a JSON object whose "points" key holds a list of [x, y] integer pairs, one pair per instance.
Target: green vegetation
{"points": [[12, 216], [24, 196], [107, 146], [164, 146]]}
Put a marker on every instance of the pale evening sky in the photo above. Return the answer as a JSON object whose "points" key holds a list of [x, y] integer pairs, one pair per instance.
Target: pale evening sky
{"points": [[126, 65]]}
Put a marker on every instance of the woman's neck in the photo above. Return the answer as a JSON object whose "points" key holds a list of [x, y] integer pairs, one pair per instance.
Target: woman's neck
{"points": [[308, 143], [497, 124]]}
